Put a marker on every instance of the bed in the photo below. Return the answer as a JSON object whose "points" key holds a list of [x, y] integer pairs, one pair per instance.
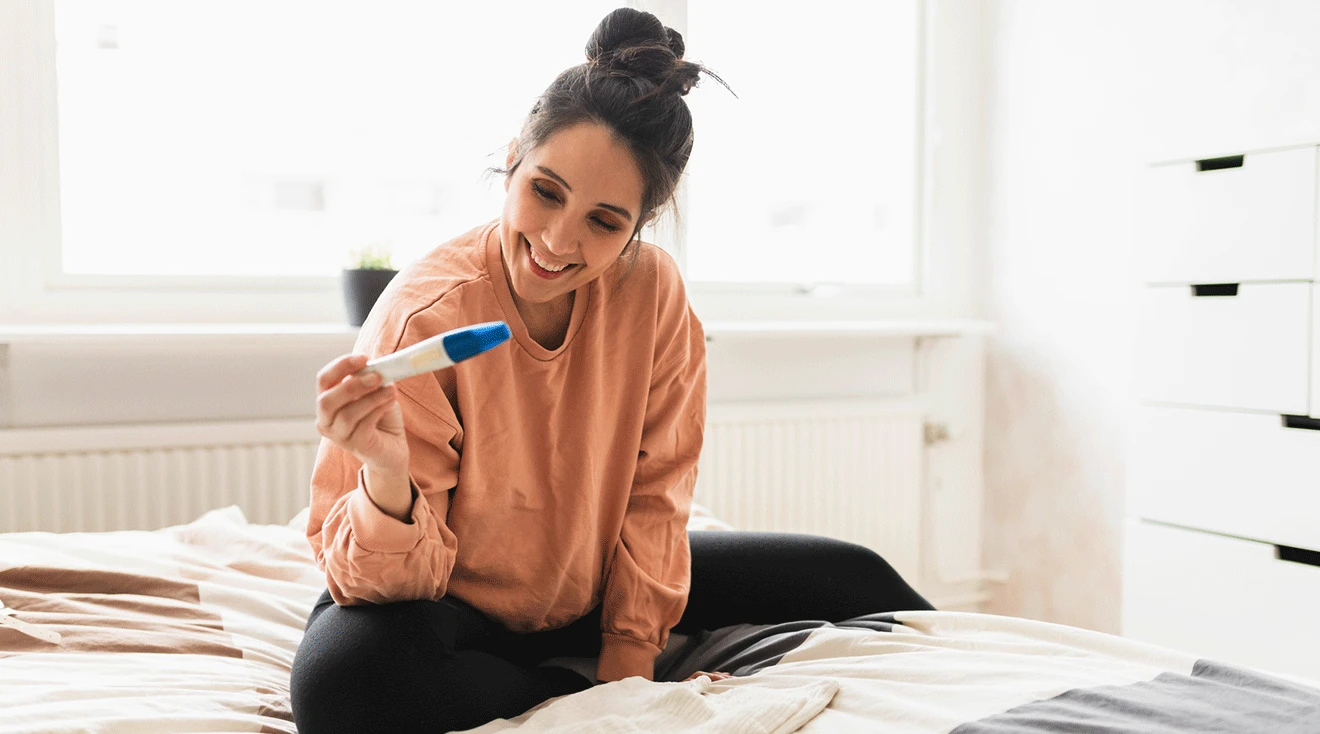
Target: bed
{"points": [[193, 628]]}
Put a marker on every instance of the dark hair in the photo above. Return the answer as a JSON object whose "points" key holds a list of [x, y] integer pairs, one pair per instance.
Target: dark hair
{"points": [[633, 85]]}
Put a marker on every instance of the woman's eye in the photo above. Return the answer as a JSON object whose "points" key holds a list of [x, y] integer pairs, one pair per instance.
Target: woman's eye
{"points": [[550, 196], [542, 192]]}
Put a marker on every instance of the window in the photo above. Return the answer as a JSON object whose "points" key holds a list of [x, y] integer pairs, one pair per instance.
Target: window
{"points": [[266, 138], [810, 174]]}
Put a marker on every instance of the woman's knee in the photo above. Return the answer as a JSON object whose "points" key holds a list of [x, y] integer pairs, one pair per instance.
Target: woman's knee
{"points": [[360, 668], [860, 559], [870, 570]]}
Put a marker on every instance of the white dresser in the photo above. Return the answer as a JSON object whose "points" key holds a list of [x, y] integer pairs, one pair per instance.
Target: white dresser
{"points": [[1222, 535]]}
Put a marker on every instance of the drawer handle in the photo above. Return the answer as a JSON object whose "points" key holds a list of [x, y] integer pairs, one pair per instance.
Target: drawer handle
{"points": [[1303, 422], [1215, 289], [1219, 164], [1297, 555]]}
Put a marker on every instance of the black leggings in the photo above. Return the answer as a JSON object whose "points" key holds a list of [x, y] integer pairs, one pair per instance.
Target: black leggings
{"points": [[443, 665]]}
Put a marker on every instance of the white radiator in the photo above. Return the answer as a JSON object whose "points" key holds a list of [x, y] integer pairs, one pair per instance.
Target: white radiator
{"points": [[152, 476], [849, 470]]}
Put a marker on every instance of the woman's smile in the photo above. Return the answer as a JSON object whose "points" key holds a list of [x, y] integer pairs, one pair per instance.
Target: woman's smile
{"points": [[542, 267], [572, 207]]}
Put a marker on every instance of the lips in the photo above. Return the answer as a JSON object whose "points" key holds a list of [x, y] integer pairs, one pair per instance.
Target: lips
{"points": [[540, 271]]}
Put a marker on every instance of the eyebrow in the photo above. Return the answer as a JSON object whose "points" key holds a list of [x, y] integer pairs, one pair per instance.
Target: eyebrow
{"points": [[617, 209]]}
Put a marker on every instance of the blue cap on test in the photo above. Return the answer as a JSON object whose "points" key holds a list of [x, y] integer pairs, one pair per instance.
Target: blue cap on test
{"points": [[470, 341]]}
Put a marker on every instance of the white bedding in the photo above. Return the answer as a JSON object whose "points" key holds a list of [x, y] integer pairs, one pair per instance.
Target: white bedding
{"points": [[194, 628]]}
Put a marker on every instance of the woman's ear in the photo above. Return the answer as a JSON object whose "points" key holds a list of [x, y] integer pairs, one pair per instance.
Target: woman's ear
{"points": [[512, 153], [644, 220], [509, 159]]}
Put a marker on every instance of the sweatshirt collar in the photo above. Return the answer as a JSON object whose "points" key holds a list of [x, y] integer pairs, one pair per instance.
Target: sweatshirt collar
{"points": [[498, 281]]}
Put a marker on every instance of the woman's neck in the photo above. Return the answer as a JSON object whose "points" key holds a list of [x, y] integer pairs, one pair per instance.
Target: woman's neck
{"points": [[547, 323]]}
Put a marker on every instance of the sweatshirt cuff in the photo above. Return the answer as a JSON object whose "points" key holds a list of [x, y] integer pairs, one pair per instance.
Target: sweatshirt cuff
{"points": [[377, 531], [622, 657]]}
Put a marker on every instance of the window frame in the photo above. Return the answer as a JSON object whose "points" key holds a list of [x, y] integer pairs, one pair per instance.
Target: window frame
{"points": [[42, 292]]}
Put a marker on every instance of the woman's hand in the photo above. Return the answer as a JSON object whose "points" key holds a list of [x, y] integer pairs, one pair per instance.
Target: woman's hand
{"points": [[361, 417], [712, 676]]}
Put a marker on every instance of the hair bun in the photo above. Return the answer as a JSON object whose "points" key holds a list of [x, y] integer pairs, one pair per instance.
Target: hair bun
{"points": [[636, 42], [627, 27], [676, 42]]}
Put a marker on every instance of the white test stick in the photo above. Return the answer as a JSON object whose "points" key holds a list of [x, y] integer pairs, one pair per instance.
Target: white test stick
{"points": [[438, 352]]}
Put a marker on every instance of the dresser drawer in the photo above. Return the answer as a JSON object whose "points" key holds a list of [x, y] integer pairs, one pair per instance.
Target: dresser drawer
{"points": [[1207, 223], [1242, 474], [1221, 598], [1249, 350]]}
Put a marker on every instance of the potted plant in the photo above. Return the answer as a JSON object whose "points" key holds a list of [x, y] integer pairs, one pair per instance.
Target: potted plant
{"points": [[363, 281]]}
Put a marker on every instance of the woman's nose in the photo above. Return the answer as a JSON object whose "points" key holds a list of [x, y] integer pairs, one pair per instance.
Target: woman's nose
{"points": [[560, 240]]}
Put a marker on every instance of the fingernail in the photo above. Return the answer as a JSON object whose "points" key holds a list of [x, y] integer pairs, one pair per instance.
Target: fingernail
{"points": [[373, 379]]}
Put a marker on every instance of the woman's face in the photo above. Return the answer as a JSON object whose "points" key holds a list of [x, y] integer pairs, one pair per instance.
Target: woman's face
{"points": [[573, 204]]}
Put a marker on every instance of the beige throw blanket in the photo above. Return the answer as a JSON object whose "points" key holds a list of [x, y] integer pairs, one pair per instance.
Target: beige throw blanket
{"points": [[194, 628]]}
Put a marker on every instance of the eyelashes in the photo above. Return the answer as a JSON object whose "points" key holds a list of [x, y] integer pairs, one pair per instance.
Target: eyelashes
{"points": [[544, 193], [549, 196]]}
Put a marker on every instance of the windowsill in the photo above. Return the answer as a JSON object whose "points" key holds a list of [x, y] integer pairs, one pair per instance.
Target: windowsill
{"points": [[332, 332], [886, 328], [108, 333]]}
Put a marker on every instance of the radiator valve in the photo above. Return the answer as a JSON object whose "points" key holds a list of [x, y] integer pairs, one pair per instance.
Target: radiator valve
{"points": [[936, 432]]}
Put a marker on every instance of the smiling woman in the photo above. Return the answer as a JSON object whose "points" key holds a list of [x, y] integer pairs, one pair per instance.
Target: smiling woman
{"points": [[532, 503], [556, 237], [617, 127]]}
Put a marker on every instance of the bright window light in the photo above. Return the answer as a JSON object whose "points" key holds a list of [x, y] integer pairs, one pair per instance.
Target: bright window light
{"points": [[269, 137], [810, 174]]}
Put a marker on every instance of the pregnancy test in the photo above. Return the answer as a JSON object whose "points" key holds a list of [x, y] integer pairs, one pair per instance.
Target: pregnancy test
{"points": [[438, 352]]}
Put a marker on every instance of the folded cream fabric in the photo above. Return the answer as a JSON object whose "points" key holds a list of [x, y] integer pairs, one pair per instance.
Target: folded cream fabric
{"points": [[636, 705]]}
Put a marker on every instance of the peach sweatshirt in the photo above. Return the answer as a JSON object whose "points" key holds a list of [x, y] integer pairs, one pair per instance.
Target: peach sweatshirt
{"points": [[550, 481]]}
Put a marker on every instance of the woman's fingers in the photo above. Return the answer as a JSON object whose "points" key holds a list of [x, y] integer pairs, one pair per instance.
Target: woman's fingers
{"points": [[352, 416], [713, 676], [368, 422], [359, 414], [331, 374], [331, 400]]}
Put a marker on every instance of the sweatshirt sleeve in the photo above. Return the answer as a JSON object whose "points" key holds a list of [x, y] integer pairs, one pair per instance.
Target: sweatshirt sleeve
{"points": [[369, 556], [647, 578]]}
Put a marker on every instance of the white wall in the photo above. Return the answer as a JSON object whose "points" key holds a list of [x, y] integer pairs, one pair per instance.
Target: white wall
{"points": [[1085, 93]]}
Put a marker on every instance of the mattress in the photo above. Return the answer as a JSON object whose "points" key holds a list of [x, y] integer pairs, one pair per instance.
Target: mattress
{"points": [[193, 628]]}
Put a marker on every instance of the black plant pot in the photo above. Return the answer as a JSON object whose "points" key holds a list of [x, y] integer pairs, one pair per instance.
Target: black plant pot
{"points": [[361, 289]]}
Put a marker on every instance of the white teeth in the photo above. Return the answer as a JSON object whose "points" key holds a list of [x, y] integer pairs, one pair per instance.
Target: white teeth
{"points": [[543, 265]]}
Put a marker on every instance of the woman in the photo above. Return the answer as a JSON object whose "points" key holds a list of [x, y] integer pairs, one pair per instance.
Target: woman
{"points": [[531, 503]]}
